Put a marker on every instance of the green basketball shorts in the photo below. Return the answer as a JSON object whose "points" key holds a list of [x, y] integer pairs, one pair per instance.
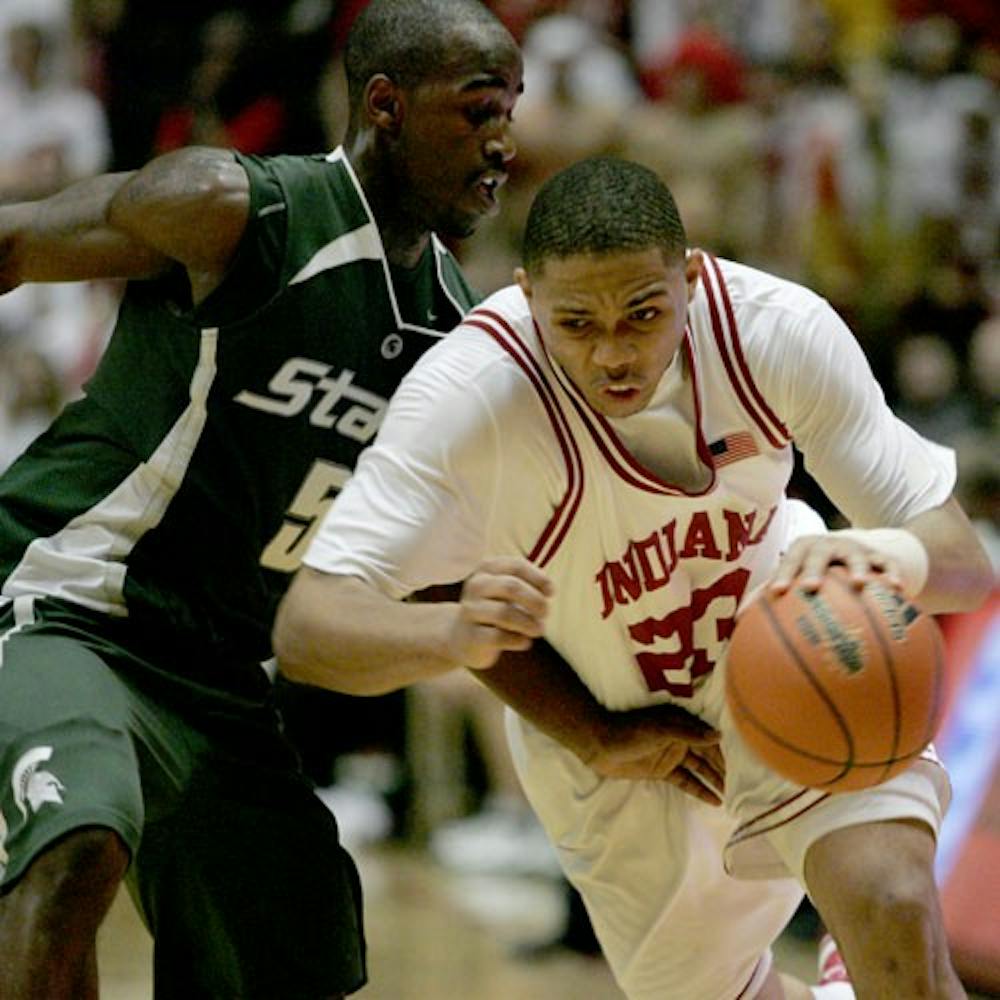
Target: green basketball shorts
{"points": [[236, 865]]}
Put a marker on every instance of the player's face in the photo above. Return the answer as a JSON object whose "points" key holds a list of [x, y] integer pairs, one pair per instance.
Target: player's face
{"points": [[455, 142], [613, 321]]}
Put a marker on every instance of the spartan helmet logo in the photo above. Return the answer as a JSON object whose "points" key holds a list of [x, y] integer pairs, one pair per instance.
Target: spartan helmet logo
{"points": [[33, 787]]}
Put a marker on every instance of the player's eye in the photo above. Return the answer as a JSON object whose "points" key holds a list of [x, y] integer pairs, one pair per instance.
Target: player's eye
{"points": [[645, 314], [480, 114]]}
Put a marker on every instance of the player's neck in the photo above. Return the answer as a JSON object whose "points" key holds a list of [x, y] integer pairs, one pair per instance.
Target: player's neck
{"points": [[403, 239], [403, 247]]}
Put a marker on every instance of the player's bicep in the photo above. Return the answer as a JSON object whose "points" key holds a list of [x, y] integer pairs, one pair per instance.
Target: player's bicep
{"points": [[416, 510], [874, 467]]}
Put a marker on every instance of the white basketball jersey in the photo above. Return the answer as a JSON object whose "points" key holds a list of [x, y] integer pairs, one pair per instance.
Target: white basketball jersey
{"points": [[649, 573]]}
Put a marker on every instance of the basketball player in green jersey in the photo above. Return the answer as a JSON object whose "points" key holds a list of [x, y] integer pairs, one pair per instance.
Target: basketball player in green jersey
{"points": [[146, 538]]}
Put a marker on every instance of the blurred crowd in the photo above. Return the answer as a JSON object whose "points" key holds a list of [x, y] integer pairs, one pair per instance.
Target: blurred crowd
{"points": [[851, 146]]}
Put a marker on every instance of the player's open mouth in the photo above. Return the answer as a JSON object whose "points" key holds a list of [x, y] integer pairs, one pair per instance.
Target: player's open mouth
{"points": [[488, 186], [620, 392]]}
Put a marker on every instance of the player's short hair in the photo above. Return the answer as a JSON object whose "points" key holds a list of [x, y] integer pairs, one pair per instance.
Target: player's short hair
{"points": [[406, 40], [601, 205]]}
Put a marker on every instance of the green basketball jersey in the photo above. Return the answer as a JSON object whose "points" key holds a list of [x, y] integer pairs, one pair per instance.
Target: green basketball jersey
{"points": [[174, 499]]}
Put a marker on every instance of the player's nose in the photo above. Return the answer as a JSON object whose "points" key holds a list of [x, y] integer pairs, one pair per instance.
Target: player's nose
{"points": [[614, 354], [501, 146]]}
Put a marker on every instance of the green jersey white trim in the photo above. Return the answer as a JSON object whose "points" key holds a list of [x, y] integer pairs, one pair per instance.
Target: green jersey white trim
{"points": [[361, 244], [85, 561]]}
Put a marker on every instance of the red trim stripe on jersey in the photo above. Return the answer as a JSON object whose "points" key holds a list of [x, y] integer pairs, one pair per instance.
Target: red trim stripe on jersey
{"points": [[704, 450], [497, 327], [778, 815], [622, 462], [605, 442], [727, 337], [791, 808]]}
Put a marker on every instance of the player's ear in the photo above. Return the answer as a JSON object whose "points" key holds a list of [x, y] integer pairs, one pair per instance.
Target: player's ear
{"points": [[693, 264], [523, 281], [383, 103]]}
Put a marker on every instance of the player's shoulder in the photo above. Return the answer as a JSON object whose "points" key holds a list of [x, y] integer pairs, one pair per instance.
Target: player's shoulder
{"points": [[508, 305], [293, 165], [319, 182], [766, 315], [752, 291], [768, 319], [505, 319], [479, 349], [474, 368]]}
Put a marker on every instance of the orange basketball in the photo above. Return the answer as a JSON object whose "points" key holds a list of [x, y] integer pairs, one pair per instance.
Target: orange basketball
{"points": [[840, 689]]}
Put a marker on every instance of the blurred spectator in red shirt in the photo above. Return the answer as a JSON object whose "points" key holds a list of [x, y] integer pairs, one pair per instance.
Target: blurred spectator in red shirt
{"points": [[228, 102]]}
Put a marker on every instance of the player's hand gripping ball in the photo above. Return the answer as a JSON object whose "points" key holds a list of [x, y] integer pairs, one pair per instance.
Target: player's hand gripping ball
{"points": [[839, 689]]}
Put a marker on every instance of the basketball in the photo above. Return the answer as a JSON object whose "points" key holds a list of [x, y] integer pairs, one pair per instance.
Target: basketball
{"points": [[839, 689]]}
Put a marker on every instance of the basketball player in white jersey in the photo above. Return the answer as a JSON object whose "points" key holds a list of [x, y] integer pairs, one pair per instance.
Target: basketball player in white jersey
{"points": [[600, 453]]}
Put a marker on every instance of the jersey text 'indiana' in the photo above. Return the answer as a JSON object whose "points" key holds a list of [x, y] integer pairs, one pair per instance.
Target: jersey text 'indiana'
{"points": [[301, 382], [649, 563]]}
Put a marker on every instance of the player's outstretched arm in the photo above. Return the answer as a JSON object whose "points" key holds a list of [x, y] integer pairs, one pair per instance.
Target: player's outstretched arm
{"points": [[936, 559], [190, 206], [341, 633]]}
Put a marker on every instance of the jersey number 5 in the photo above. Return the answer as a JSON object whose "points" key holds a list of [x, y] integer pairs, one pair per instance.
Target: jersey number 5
{"points": [[322, 483]]}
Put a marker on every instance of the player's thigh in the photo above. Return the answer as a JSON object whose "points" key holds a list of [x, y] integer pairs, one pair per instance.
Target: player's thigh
{"points": [[248, 891], [67, 759], [647, 860], [690, 935]]}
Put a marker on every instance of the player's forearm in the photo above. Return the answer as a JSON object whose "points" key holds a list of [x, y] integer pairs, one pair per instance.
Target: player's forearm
{"points": [[541, 687], [338, 633], [959, 576], [67, 237]]}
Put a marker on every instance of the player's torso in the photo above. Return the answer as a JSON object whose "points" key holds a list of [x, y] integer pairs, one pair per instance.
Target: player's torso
{"points": [[304, 388], [649, 580], [203, 456], [649, 573]]}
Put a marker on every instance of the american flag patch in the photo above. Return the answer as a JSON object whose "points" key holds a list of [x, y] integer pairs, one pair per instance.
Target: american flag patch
{"points": [[732, 448]]}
